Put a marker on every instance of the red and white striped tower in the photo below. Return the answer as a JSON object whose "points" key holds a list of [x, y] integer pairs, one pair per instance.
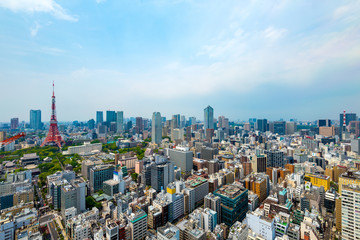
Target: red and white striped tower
{"points": [[344, 123], [53, 136]]}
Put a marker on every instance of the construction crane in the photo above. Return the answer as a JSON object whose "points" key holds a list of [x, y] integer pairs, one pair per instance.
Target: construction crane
{"points": [[12, 139]]}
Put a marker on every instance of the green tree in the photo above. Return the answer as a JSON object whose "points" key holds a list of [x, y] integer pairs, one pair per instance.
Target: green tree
{"points": [[90, 203], [134, 176]]}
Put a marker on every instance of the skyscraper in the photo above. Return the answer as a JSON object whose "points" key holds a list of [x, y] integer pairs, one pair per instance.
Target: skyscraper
{"points": [[156, 128], [35, 119], [182, 121], [208, 118], [110, 117], [278, 127], [14, 123], [91, 124], [162, 173], [139, 127], [261, 125], [324, 123], [99, 117], [174, 122], [120, 122], [349, 210]]}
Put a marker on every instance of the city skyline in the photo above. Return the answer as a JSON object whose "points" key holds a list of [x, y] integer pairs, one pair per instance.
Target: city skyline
{"points": [[299, 60], [187, 117]]}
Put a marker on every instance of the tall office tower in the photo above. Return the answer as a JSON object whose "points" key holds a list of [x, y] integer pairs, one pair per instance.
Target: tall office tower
{"points": [[290, 128], [14, 123], [110, 117], [354, 128], [128, 125], [98, 175], [73, 195], [234, 203], [223, 122], [146, 123], [208, 118], [53, 136], [192, 120], [252, 122], [350, 220], [139, 127], [261, 125], [182, 158], [213, 166], [174, 122], [258, 163], [275, 158], [120, 122], [220, 122], [214, 203], [278, 127], [156, 128], [91, 124], [35, 119], [324, 123], [182, 121], [178, 118], [99, 117], [162, 173], [345, 120]]}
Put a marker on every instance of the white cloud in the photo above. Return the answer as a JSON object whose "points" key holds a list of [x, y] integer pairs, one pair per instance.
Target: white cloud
{"points": [[52, 51], [34, 30], [32, 6], [341, 11], [274, 34], [348, 13]]}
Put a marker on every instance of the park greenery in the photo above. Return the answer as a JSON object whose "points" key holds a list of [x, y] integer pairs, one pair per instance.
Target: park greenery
{"points": [[90, 203], [46, 168], [139, 151], [134, 176]]}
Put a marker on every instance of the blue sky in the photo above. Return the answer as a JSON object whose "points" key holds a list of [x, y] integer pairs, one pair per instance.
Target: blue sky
{"points": [[273, 59]]}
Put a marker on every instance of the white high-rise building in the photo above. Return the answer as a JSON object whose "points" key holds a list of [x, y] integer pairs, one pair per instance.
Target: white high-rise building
{"points": [[261, 224], [350, 207], [156, 128], [210, 219]]}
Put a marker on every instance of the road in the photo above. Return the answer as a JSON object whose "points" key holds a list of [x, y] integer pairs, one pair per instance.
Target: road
{"points": [[329, 219], [53, 232], [46, 219], [58, 220]]}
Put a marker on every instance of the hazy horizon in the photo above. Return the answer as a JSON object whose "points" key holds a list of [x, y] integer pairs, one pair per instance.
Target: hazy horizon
{"points": [[274, 59]]}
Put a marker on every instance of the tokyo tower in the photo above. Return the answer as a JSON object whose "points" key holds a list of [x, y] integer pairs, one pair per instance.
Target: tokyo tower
{"points": [[53, 136]]}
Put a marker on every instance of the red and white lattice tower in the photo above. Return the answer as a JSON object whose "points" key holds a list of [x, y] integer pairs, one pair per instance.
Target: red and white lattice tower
{"points": [[344, 123], [53, 136]]}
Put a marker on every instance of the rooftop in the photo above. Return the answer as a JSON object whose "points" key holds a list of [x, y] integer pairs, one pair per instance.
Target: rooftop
{"points": [[230, 191], [195, 181], [136, 216], [317, 176]]}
